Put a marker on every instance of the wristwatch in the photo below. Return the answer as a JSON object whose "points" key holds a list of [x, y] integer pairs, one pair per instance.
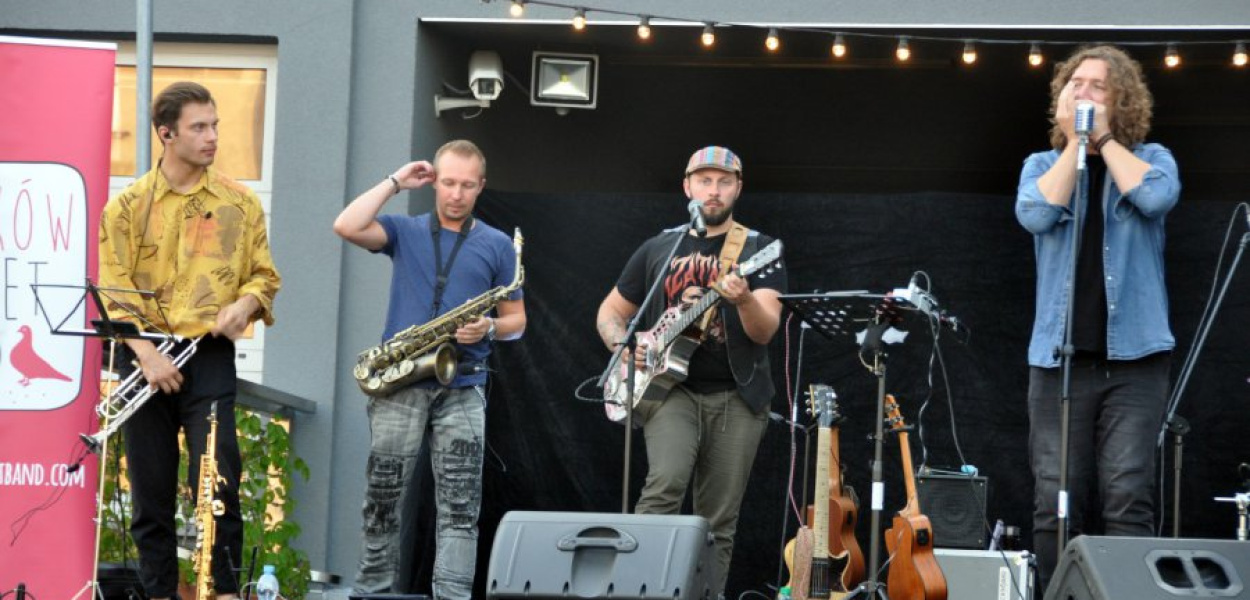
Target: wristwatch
{"points": [[490, 333]]}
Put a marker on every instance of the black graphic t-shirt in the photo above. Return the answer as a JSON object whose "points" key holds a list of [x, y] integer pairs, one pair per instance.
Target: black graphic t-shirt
{"points": [[693, 270]]}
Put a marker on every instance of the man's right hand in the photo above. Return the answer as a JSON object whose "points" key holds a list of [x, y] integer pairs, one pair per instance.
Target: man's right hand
{"points": [[158, 370], [414, 175]]}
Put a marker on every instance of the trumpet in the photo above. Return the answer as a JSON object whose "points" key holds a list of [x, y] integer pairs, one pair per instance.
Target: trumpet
{"points": [[132, 393]]}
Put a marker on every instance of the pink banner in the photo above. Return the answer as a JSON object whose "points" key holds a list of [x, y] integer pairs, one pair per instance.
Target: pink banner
{"points": [[56, 109]]}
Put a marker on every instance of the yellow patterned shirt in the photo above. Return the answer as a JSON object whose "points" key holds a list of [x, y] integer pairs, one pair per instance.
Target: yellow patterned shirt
{"points": [[198, 252]]}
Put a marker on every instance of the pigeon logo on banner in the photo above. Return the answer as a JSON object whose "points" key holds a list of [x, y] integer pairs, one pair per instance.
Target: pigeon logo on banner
{"points": [[43, 240]]}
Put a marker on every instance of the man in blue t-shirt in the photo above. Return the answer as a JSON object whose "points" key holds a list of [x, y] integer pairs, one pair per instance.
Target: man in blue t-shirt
{"points": [[441, 260]]}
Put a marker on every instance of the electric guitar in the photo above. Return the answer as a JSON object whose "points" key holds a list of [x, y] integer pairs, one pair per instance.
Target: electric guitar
{"points": [[667, 348], [829, 571], [914, 571]]}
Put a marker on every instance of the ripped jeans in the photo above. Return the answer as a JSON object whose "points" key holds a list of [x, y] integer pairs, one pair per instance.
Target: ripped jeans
{"points": [[456, 421]]}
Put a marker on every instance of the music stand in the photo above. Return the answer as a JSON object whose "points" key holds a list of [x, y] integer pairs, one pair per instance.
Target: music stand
{"points": [[845, 314], [114, 331]]}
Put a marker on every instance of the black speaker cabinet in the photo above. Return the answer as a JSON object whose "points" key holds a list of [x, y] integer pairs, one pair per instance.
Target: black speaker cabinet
{"points": [[602, 555], [1134, 568], [955, 504]]}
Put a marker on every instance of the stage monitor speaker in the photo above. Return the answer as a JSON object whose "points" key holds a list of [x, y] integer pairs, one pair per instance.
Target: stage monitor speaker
{"points": [[602, 555], [955, 505], [1135, 568], [119, 583]]}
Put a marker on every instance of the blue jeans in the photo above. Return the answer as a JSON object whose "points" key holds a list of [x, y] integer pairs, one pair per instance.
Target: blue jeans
{"points": [[1117, 409], [456, 422], [709, 440]]}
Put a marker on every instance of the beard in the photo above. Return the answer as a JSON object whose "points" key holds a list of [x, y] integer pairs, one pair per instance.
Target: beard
{"points": [[718, 218]]}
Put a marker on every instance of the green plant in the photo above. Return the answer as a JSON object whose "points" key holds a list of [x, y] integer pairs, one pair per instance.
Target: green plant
{"points": [[269, 470]]}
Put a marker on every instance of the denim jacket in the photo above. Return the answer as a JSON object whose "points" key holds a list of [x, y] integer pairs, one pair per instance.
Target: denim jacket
{"points": [[1133, 236]]}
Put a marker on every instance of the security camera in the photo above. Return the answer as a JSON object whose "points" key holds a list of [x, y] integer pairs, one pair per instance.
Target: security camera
{"points": [[485, 75]]}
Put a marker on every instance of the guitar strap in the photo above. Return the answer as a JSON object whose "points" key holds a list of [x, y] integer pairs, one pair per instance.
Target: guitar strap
{"points": [[734, 242]]}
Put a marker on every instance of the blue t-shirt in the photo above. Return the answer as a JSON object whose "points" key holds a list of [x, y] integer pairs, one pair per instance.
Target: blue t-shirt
{"points": [[485, 261]]}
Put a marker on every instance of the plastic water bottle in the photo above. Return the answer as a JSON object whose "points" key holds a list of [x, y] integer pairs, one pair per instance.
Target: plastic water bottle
{"points": [[784, 593], [267, 585]]}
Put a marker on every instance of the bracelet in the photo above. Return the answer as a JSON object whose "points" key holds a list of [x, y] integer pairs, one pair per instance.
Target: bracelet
{"points": [[394, 182], [1102, 141]]}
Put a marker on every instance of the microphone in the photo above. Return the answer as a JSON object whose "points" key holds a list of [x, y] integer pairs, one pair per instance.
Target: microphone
{"points": [[470, 368], [1084, 125], [928, 305], [696, 218]]}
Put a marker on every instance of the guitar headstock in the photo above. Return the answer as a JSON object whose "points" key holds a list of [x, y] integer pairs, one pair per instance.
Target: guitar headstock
{"points": [[764, 258], [893, 414], [823, 404]]}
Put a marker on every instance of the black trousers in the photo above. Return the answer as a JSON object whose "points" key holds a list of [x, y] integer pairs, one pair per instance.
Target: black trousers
{"points": [[1117, 411], [152, 464]]}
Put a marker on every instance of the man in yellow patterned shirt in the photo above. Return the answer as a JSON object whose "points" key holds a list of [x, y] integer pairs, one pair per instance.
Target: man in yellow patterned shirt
{"points": [[197, 239]]}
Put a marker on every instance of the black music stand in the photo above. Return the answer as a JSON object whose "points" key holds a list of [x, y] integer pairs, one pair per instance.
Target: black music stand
{"points": [[845, 314], [106, 329]]}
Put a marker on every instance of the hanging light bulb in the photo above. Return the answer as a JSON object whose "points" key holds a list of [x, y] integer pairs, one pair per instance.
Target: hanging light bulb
{"points": [[970, 52], [517, 10], [1035, 56], [903, 52], [709, 36], [839, 46], [772, 42], [1172, 58], [1239, 55], [579, 19], [644, 28]]}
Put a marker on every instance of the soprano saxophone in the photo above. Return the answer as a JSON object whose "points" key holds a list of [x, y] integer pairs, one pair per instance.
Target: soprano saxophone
{"points": [[207, 508], [426, 350]]}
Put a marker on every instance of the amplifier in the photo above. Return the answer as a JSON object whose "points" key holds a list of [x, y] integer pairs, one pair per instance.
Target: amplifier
{"points": [[986, 574]]}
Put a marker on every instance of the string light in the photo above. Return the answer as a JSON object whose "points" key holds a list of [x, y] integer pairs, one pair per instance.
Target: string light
{"points": [[1035, 56], [1173, 58], [772, 42], [903, 52], [839, 46], [970, 52], [709, 36]]}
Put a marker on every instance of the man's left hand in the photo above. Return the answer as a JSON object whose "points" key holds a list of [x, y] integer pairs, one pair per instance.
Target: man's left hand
{"points": [[473, 331], [235, 317], [734, 289]]}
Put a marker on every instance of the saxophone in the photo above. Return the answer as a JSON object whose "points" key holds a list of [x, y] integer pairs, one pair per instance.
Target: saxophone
{"points": [[207, 508], [426, 350]]}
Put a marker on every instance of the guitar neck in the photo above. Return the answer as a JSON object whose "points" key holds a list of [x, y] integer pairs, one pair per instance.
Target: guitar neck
{"points": [[689, 316], [820, 521], [909, 477]]}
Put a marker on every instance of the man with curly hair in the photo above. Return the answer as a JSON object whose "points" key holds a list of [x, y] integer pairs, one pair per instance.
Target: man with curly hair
{"points": [[1120, 331]]}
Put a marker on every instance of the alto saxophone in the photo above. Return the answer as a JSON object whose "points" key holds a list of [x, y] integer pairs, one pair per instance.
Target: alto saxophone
{"points": [[425, 350], [207, 508]]}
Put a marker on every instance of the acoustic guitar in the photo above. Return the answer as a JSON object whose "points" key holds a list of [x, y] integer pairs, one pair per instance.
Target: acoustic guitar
{"points": [[914, 571]]}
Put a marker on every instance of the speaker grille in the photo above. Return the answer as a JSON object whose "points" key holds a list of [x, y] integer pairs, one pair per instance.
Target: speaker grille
{"points": [[955, 506]]}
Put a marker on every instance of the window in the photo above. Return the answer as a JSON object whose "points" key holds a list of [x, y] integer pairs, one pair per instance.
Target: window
{"points": [[243, 80]]}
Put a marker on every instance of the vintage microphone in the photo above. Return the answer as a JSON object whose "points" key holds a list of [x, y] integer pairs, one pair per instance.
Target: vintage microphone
{"points": [[1084, 125]]}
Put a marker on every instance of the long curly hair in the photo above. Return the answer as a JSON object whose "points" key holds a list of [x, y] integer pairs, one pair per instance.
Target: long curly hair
{"points": [[1128, 97]]}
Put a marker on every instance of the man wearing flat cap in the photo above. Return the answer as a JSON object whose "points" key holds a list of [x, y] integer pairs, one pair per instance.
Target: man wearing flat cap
{"points": [[703, 435]]}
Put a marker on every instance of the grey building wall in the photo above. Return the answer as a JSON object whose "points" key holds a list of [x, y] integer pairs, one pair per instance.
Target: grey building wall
{"points": [[355, 89]]}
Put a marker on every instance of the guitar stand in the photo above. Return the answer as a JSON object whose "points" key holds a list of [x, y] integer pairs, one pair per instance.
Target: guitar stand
{"points": [[838, 314]]}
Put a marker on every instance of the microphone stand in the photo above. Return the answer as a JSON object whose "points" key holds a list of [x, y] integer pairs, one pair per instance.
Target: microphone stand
{"points": [[629, 342], [1174, 423], [1067, 350]]}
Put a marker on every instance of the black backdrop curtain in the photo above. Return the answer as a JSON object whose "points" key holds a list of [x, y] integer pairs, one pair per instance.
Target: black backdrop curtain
{"points": [[550, 451]]}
